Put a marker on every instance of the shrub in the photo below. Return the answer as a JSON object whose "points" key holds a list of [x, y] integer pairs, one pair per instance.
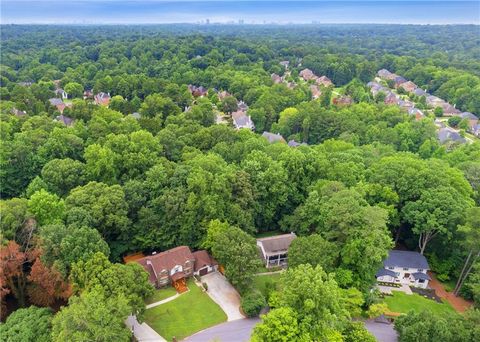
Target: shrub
{"points": [[252, 303], [205, 286], [376, 310], [454, 121]]}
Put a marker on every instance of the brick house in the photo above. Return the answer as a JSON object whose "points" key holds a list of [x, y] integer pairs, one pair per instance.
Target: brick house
{"points": [[175, 265]]}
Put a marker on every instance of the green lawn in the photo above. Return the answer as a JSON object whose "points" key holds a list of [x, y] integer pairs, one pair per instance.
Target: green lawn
{"points": [[403, 303], [191, 312], [259, 282], [161, 294]]}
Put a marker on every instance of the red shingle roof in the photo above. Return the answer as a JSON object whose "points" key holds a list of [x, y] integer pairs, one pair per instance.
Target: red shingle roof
{"points": [[168, 259], [202, 259]]}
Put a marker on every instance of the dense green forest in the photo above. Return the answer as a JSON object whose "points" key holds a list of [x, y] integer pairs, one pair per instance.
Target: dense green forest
{"points": [[154, 170]]}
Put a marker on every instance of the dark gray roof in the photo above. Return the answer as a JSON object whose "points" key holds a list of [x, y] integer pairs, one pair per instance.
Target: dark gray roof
{"points": [[67, 121], [400, 79], [468, 115], [406, 259], [420, 275], [384, 272], [241, 121], [277, 244], [446, 133], [55, 101], [293, 143], [419, 92]]}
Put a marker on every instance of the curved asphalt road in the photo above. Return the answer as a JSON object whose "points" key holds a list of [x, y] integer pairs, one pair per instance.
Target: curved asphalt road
{"points": [[240, 331], [233, 331]]}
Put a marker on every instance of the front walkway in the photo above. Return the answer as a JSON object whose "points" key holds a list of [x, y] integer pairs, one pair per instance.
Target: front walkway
{"points": [[166, 300], [143, 332], [458, 303], [224, 294]]}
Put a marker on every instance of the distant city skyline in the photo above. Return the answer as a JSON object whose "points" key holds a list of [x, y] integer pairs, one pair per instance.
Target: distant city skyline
{"points": [[242, 11]]}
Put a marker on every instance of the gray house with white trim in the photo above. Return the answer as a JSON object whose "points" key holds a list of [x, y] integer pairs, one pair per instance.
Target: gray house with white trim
{"points": [[405, 268]]}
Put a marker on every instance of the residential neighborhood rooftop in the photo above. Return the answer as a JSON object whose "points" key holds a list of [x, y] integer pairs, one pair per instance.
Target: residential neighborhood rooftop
{"points": [[277, 244], [406, 259]]}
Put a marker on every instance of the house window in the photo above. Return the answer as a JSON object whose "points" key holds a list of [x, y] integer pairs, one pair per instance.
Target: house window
{"points": [[420, 270], [176, 269], [391, 268], [405, 268], [421, 280]]}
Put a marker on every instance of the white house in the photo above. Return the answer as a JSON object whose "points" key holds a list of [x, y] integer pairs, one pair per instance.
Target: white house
{"points": [[274, 249], [405, 268], [242, 120], [62, 93]]}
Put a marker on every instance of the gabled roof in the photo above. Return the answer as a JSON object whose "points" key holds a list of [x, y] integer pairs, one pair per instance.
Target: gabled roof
{"points": [[67, 121], [168, 259], [277, 244], [202, 259], [241, 119], [272, 137], [447, 133], [468, 115], [55, 101], [420, 275], [406, 259], [293, 143], [399, 80], [384, 272], [420, 92]]}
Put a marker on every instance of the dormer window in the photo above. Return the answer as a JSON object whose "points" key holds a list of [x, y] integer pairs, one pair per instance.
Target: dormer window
{"points": [[177, 268]]}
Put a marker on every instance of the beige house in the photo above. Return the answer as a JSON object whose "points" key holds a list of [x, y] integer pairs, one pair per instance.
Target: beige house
{"points": [[274, 249]]}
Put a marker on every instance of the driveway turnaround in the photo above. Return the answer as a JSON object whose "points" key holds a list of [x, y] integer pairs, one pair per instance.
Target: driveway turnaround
{"points": [[224, 294], [236, 331], [382, 332]]}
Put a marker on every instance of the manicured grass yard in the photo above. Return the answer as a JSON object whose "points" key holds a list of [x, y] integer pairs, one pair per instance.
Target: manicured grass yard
{"points": [[161, 294], [191, 312], [260, 281], [403, 303]]}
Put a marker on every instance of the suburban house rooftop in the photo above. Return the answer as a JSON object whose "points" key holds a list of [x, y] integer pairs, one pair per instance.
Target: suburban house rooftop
{"points": [[406, 259], [203, 259], [277, 244], [166, 260]]}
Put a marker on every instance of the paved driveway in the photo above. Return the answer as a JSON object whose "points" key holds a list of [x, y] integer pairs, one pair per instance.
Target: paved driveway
{"points": [[382, 332], [143, 332], [236, 331], [224, 294]]}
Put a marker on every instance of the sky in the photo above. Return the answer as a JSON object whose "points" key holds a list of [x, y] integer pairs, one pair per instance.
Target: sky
{"points": [[248, 12]]}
